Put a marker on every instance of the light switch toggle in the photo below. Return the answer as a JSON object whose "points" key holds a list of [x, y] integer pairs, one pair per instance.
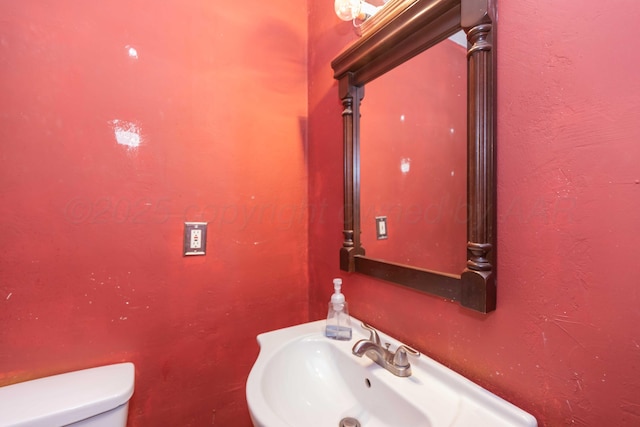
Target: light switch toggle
{"points": [[195, 238]]}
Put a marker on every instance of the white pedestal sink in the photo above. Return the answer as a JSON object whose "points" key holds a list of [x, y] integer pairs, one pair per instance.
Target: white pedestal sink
{"points": [[302, 378]]}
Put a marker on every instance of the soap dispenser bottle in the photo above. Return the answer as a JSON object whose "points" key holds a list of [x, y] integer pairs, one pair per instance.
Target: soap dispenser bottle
{"points": [[338, 320]]}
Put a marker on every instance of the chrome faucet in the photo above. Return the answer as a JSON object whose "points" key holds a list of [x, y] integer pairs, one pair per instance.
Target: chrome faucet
{"points": [[397, 363]]}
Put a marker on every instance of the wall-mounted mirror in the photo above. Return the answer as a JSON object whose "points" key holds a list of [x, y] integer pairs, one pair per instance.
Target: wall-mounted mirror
{"points": [[419, 149]]}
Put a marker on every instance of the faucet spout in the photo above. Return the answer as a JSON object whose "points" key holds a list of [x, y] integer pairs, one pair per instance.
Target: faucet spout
{"points": [[397, 363], [371, 349]]}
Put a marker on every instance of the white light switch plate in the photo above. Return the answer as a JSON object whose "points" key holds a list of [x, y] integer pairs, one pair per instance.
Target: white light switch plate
{"points": [[195, 238], [381, 228]]}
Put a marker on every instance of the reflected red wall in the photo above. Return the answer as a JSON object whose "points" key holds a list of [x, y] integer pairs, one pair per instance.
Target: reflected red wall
{"points": [[413, 161], [120, 121], [563, 342]]}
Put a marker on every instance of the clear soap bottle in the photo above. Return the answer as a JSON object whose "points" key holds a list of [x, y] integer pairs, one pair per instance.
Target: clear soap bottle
{"points": [[338, 321]]}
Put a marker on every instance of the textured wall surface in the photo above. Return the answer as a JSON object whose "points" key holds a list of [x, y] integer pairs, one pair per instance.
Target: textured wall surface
{"points": [[119, 121], [563, 342]]}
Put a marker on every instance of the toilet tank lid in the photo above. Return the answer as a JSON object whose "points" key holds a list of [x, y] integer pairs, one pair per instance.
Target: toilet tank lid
{"points": [[66, 398]]}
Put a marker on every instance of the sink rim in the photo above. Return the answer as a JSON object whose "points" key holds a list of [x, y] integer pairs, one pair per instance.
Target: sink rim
{"points": [[471, 397]]}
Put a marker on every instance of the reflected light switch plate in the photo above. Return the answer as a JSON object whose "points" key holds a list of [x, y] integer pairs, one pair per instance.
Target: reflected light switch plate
{"points": [[195, 238], [381, 227]]}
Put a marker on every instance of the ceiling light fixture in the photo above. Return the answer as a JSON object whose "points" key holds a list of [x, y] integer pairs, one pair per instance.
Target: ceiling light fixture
{"points": [[349, 10]]}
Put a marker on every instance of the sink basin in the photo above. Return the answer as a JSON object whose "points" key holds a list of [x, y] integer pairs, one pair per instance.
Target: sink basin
{"points": [[302, 378]]}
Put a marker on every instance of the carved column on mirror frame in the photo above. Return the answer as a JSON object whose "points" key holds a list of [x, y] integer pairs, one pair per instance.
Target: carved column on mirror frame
{"points": [[478, 279], [351, 96]]}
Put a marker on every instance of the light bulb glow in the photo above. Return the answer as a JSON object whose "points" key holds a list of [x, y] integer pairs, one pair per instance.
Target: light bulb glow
{"points": [[347, 10]]}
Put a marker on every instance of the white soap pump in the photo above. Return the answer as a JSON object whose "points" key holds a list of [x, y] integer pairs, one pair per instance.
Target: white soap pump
{"points": [[338, 321]]}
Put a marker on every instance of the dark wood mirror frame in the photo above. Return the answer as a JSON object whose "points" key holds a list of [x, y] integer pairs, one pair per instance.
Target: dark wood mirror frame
{"points": [[399, 34]]}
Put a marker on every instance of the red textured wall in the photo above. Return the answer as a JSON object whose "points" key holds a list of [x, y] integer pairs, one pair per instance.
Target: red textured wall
{"points": [[563, 342], [91, 265]]}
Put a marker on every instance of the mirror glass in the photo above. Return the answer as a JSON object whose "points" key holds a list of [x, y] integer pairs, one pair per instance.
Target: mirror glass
{"points": [[413, 161]]}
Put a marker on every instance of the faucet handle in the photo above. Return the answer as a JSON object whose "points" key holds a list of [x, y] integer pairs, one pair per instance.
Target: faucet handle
{"points": [[401, 359], [373, 336]]}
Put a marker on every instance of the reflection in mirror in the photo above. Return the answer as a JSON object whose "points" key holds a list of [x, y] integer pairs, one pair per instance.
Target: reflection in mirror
{"points": [[413, 161]]}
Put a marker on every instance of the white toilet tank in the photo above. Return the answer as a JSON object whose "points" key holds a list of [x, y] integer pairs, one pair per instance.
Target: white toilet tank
{"points": [[95, 397]]}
